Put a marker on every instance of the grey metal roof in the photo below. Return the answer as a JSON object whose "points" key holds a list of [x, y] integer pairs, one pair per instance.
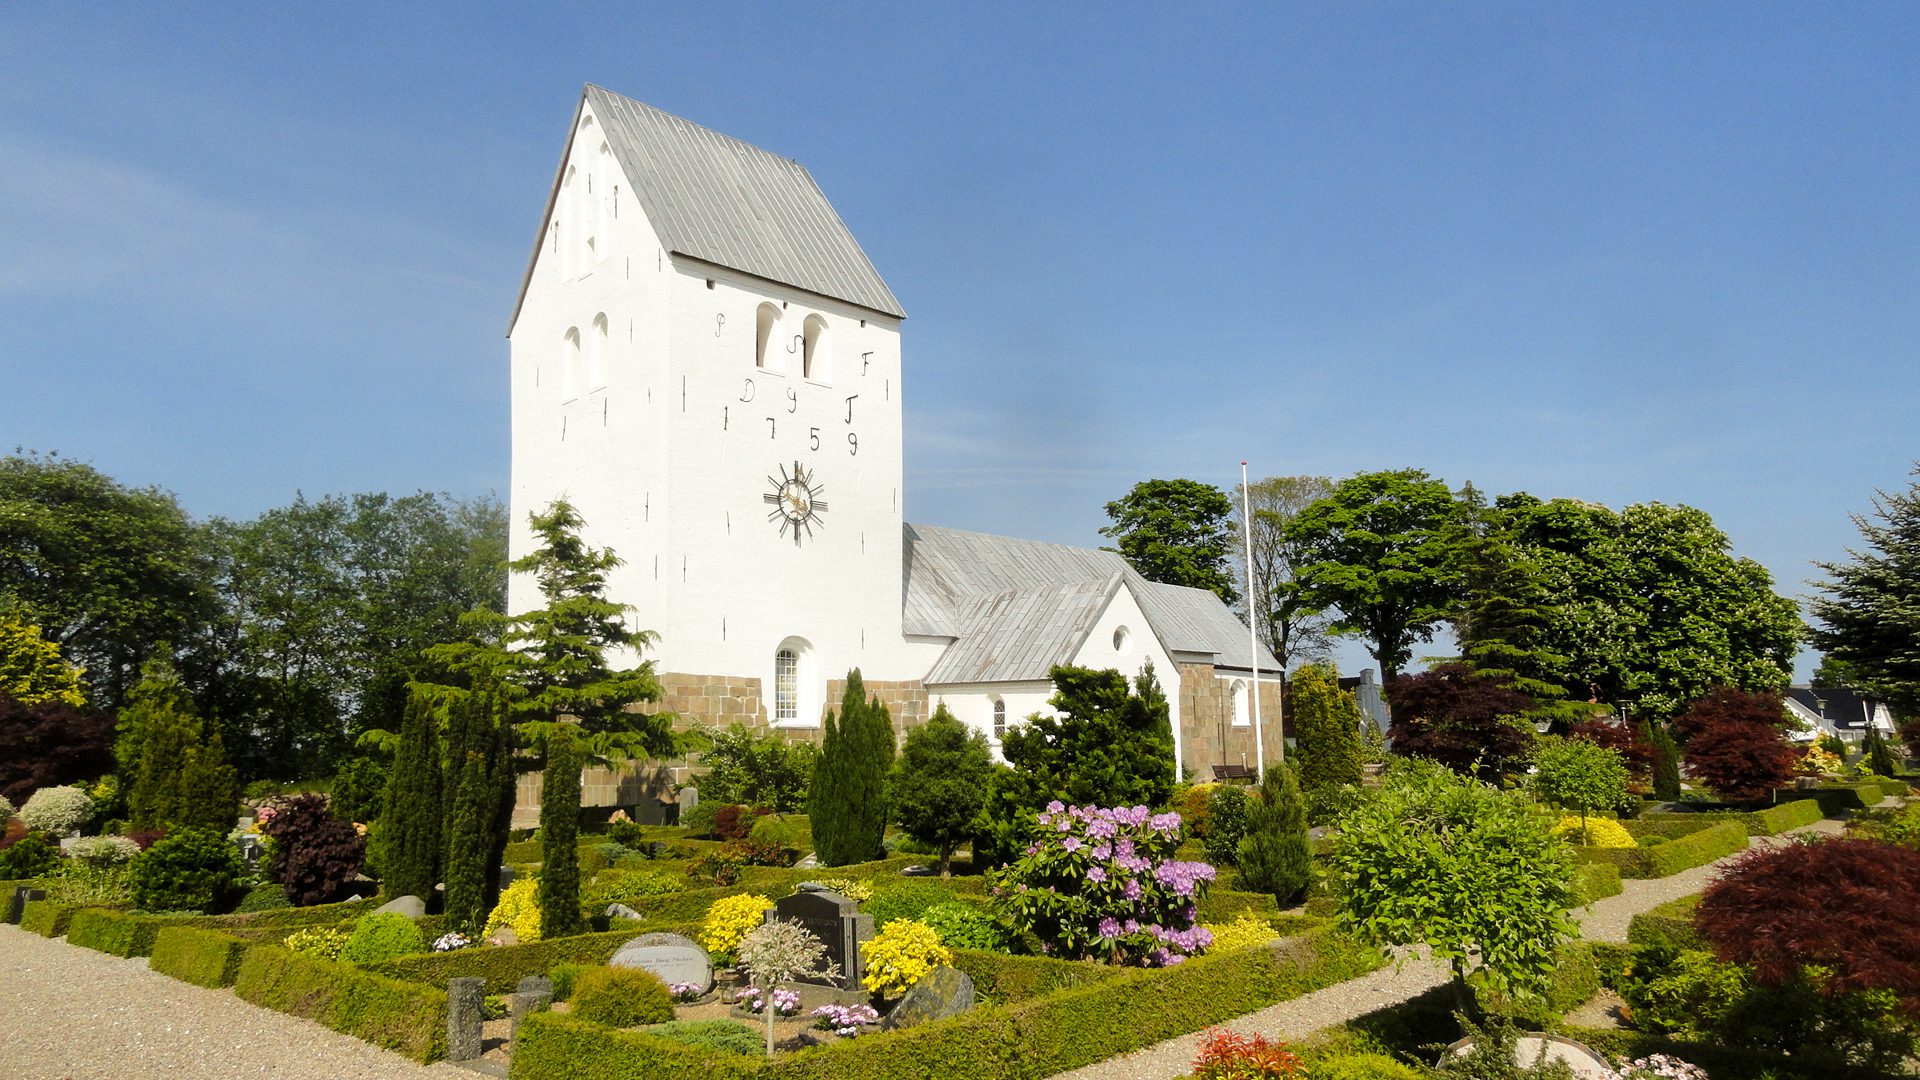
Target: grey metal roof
{"points": [[723, 201], [1012, 605]]}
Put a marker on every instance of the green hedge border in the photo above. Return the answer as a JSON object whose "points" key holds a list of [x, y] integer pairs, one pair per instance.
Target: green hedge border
{"points": [[1670, 923], [1721, 1062], [1837, 799], [405, 1017], [116, 933], [48, 918], [1696, 848], [1047, 1034], [1596, 881], [504, 966], [202, 957]]}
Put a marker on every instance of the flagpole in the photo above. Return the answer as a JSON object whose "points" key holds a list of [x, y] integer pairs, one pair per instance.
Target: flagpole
{"points": [[1253, 632]]}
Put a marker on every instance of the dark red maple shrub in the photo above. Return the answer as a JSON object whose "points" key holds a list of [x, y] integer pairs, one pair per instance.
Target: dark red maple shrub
{"points": [[1736, 743], [1464, 720], [316, 856], [1629, 740], [50, 743], [735, 822], [1848, 906]]}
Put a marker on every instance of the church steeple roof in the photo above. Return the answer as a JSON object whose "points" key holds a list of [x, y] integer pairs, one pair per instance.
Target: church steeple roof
{"points": [[717, 199]]}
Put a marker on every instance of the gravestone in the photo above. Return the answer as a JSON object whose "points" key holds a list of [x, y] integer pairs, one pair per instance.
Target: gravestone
{"points": [[671, 963], [917, 870], [411, 906], [689, 798], [522, 1005], [22, 896], [506, 876], [658, 938], [941, 993], [534, 984], [465, 1017], [837, 922], [1531, 1050]]}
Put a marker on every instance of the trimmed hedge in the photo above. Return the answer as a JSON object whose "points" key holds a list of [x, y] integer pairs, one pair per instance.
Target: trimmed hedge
{"points": [[400, 1016], [1669, 924], [116, 933], [276, 923], [1596, 881], [1892, 787], [1225, 905], [1775, 820], [1039, 1037], [1003, 979], [48, 918], [1675, 825], [1696, 848], [504, 966], [1837, 799], [1720, 1061], [202, 957]]}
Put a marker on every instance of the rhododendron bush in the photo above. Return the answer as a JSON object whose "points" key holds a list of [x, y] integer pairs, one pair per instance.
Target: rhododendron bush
{"points": [[1103, 884]]}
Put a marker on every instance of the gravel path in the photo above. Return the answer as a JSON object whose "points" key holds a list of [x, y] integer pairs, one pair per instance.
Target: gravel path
{"points": [[77, 1014]]}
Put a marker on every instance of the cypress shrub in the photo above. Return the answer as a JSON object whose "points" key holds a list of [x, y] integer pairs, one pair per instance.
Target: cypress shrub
{"points": [[847, 802], [1666, 764], [472, 813], [1325, 722], [180, 777], [1275, 856], [410, 823], [1878, 758], [559, 838]]}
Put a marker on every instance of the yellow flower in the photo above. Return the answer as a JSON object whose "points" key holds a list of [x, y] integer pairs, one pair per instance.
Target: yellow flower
{"points": [[902, 955], [1244, 932], [519, 908], [729, 920], [1601, 832]]}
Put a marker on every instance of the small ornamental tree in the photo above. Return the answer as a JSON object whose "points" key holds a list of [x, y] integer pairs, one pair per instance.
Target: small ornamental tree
{"points": [[847, 802], [1275, 855], [560, 838], [1579, 776], [1630, 740], [940, 783], [1735, 743], [31, 669], [1461, 719], [410, 840], [187, 870], [49, 744], [778, 952], [1844, 908], [316, 856], [1470, 870], [1325, 722]]}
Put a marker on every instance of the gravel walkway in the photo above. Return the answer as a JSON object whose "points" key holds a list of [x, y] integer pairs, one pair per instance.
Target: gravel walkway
{"points": [[77, 1014]]}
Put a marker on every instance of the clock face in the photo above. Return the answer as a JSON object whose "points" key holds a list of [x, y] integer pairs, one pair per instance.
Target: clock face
{"points": [[796, 502]]}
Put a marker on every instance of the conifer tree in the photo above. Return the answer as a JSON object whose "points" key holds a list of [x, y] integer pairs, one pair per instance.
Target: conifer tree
{"points": [[1275, 856], [1666, 763], [940, 783], [1876, 754], [559, 889], [847, 801], [209, 787], [179, 770], [1325, 721], [410, 833]]}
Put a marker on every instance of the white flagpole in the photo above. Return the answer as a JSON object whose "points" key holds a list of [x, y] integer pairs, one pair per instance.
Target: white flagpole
{"points": [[1253, 632]]}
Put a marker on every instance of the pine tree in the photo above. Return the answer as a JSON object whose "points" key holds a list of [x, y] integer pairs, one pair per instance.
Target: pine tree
{"points": [[1325, 721], [1877, 756], [847, 801], [180, 775], [1666, 763], [940, 783], [209, 788], [1275, 856], [410, 834], [559, 891]]}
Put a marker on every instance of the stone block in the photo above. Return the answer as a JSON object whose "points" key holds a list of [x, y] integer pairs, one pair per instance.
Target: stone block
{"points": [[465, 1017]]}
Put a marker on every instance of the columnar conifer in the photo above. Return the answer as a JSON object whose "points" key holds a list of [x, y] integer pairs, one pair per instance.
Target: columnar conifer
{"points": [[479, 764], [1325, 721], [847, 802], [1275, 856], [559, 891], [1666, 763], [411, 823], [180, 776]]}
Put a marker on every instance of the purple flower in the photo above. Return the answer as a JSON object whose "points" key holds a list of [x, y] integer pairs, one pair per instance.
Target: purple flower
{"points": [[1055, 806], [1096, 875], [1072, 844], [1131, 890], [1109, 928]]}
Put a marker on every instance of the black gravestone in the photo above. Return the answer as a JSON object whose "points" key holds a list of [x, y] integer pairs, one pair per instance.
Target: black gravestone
{"points": [[22, 896], [837, 922]]}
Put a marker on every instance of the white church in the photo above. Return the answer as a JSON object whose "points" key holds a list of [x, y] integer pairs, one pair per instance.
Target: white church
{"points": [[707, 365]]}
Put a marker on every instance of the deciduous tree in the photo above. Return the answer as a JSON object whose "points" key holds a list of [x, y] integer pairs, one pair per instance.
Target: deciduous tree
{"points": [[48, 744], [1464, 720], [31, 669], [1293, 630], [1580, 776], [1736, 743], [1177, 532]]}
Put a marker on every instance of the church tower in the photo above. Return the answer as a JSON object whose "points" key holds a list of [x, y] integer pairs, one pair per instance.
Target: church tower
{"points": [[705, 363]]}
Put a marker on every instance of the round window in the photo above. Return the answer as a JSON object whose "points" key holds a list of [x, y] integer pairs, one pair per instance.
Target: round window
{"points": [[1121, 639]]}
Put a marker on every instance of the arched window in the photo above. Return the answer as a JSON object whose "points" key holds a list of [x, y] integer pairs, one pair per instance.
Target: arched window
{"points": [[567, 209], [598, 186], [1121, 639], [570, 367], [816, 361], [999, 721], [1242, 708], [764, 324], [597, 359], [796, 700]]}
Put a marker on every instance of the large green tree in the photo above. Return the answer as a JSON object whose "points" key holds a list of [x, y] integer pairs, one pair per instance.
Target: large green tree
{"points": [[847, 800], [111, 574], [940, 783], [1870, 612], [1177, 532], [1291, 628], [1381, 548]]}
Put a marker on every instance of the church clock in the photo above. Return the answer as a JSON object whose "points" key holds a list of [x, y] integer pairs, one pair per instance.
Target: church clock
{"points": [[796, 502]]}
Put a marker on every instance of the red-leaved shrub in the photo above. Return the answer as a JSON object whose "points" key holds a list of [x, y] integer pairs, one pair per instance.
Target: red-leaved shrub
{"points": [[48, 744], [316, 856], [734, 822], [1736, 743], [1227, 1055], [1462, 719], [1629, 740], [1848, 906]]}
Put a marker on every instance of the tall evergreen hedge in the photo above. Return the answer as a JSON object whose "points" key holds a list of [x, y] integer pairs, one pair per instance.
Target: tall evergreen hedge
{"points": [[559, 890], [1666, 763], [1325, 721], [479, 762], [410, 824], [847, 802]]}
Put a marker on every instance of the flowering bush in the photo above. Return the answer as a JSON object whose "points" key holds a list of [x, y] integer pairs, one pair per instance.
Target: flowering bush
{"points": [[729, 920], [1601, 833], [58, 810], [1659, 1067], [1816, 762], [103, 851], [518, 910], [322, 941], [1225, 1055], [450, 941], [1244, 932], [785, 1002], [6, 809], [844, 1020], [1103, 884], [902, 955]]}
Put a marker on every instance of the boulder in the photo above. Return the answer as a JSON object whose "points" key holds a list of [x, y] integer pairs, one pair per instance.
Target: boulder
{"points": [[411, 906], [671, 963], [942, 993], [621, 911]]}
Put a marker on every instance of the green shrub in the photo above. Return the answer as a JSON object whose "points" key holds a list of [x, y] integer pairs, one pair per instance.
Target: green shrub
{"points": [[907, 899], [1835, 800], [1363, 1066], [555, 1047], [1274, 854], [116, 933], [1695, 849], [394, 1015], [1788, 815], [48, 918], [563, 976], [1226, 824], [503, 967], [730, 1036], [1574, 981], [787, 830], [383, 937], [1226, 905], [201, 957], [522, 851], [1004, 979], [1680, 992], [963, 926], [627, 886], [187, 870], [621, 997], [1669, 925], [57, 810], [266, 896], [28, 857], [1597, 881]]}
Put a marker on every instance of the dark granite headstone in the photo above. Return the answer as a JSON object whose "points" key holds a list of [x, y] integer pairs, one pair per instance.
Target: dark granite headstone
{"points": [[465, 1016], [837, 922], [941, 993], [22, 896]]}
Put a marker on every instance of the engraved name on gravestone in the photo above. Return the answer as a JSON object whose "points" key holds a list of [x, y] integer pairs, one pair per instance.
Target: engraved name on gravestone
{"points": [[837, 922]]}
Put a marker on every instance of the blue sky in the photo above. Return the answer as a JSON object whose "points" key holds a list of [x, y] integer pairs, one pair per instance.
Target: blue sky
{"points": [[1618, 252]]}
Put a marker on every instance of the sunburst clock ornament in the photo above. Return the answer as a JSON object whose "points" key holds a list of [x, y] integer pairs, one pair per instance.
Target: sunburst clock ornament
{"points": [[796, 502]]}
